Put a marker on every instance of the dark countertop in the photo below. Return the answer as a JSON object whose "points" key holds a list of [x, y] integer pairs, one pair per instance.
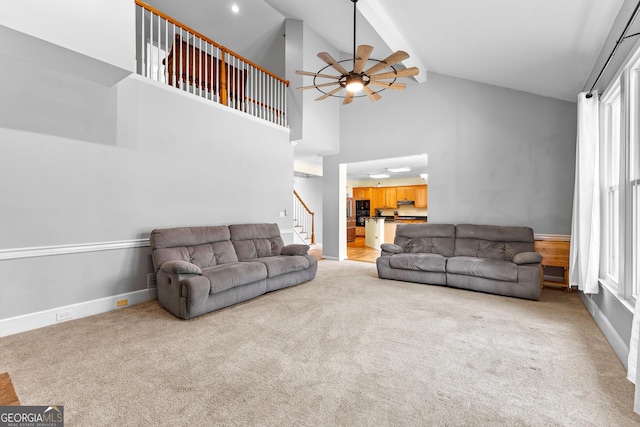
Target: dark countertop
{"points": [[392, 218]]}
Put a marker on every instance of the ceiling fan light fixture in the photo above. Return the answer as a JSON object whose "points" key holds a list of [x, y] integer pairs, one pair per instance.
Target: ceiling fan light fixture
{"points": [[363, 76], [354, 84]]}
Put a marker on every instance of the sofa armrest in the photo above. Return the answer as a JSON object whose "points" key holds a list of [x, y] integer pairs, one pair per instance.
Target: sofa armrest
{"points": [[527, 258], [180, 267], [391, 248], [295, 249]]}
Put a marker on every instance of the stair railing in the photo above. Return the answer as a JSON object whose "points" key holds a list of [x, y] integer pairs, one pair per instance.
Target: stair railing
{"points": [[303, 217], [171, 52]]}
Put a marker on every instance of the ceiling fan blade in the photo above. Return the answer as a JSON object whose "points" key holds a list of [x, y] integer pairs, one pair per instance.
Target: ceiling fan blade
{"points": [[324, 76], [371, 94], [407, 72], [329, 60], [317, 86], [389, 85], [326, 95], [362, 55], [395, 57], [348, 98]]}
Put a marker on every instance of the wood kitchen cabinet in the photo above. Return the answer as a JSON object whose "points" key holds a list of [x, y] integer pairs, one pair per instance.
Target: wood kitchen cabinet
{"points": [[406, 192], [362, 193], [390, 197], [421, 196], [377, 199], [383, 197], [387, 197]]}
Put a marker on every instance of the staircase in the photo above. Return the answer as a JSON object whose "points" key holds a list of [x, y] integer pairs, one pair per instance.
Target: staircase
{"points": [[303, 221]]}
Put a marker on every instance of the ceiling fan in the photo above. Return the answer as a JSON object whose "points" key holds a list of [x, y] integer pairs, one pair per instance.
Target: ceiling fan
{"points": [[358, 80]]}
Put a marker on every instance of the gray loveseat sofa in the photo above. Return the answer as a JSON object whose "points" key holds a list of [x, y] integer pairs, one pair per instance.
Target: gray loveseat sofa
{"points": [[486, 258], [201, 269]]}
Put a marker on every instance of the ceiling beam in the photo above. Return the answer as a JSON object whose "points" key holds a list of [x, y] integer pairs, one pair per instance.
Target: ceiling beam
{"points": [[374, 13]]}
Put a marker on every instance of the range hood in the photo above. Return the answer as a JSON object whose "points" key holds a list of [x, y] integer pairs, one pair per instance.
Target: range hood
{"points": [[405, 202]]}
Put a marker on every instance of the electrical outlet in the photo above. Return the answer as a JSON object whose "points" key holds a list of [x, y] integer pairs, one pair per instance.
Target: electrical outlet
{"points": [[151, 281], [122, 303], [64, 315]]}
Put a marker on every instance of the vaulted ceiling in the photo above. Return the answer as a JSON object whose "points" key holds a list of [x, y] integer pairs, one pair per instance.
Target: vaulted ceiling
{"points": [[546, 47]]}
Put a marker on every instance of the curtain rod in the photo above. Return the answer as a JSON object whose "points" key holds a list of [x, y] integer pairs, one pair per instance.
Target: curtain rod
{"points": [[622, 38]]}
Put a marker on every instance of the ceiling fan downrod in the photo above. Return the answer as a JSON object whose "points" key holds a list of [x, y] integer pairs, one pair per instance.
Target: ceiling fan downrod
{"points": [[354, 32]]}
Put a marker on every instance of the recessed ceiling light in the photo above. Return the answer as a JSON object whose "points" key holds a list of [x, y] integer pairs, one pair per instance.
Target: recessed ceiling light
{"points": [[235, 8], [401, 169], [379, 175]]}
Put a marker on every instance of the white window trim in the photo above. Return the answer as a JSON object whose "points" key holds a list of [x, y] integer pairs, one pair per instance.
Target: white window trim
{"points": [[629, 244]]}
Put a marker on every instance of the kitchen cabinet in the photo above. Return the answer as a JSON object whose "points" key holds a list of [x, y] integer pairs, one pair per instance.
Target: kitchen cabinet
{"points": [[407, 192], [387, 197], [421, 196], [377, 199], [390, 197], [383, 197], [362, 193]]}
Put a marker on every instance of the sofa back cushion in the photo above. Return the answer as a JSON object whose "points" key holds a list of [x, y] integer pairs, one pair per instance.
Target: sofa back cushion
{"points": [[256, 240], [426, 238], [203, 246], [492, 241]]}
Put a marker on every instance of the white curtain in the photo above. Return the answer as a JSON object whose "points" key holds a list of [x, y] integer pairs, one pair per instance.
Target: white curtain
{"points": [[584, 257]]}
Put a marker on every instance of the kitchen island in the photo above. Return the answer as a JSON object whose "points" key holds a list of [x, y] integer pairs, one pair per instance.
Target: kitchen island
{"points": [[378, 231]]}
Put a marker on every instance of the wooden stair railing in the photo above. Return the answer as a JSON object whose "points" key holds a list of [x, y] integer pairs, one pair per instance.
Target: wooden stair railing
{"points": [[224, 73], [303, 216]]}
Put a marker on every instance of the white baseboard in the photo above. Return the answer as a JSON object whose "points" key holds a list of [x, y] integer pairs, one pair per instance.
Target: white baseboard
{"points": [[619, 346], [27, 322]]}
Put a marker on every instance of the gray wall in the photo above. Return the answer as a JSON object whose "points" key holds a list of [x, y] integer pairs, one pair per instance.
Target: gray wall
{"points": [[496, 156], [85, 165]]}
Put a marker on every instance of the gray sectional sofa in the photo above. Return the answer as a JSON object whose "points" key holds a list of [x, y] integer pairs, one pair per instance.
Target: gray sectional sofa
{"points": [[201, 269], [487, 258]]}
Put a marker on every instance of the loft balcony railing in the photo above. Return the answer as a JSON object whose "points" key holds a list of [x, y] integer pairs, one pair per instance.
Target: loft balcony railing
{"points": [[170, 52]]}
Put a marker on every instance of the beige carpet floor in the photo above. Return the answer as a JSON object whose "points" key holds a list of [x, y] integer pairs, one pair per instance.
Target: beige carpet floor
{"points": [[347, 349]]}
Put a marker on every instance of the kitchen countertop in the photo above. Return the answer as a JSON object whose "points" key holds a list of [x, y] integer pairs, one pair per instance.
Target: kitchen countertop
{"points": [[400, 218]]}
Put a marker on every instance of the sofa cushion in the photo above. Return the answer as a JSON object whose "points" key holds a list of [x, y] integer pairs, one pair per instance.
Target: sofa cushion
{"points": [[227, 276], [277, 265], [426, 238], [487, 268], [492, 241], [527, 258], [180, 267], [204, 246], [422, 262], [295, 249], [256, 240], [391, 248], [205, 255]]}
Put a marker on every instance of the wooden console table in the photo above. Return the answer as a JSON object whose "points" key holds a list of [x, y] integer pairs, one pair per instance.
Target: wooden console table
{"points": [[555, 253]]}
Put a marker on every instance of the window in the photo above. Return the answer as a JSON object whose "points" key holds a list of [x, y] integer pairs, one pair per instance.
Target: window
{"points": [[611, 151], [620, 186], [634, 174]]}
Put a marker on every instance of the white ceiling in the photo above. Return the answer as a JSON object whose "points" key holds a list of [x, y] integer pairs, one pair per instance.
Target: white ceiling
{"points": [[361, 170], [544, 47]]}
